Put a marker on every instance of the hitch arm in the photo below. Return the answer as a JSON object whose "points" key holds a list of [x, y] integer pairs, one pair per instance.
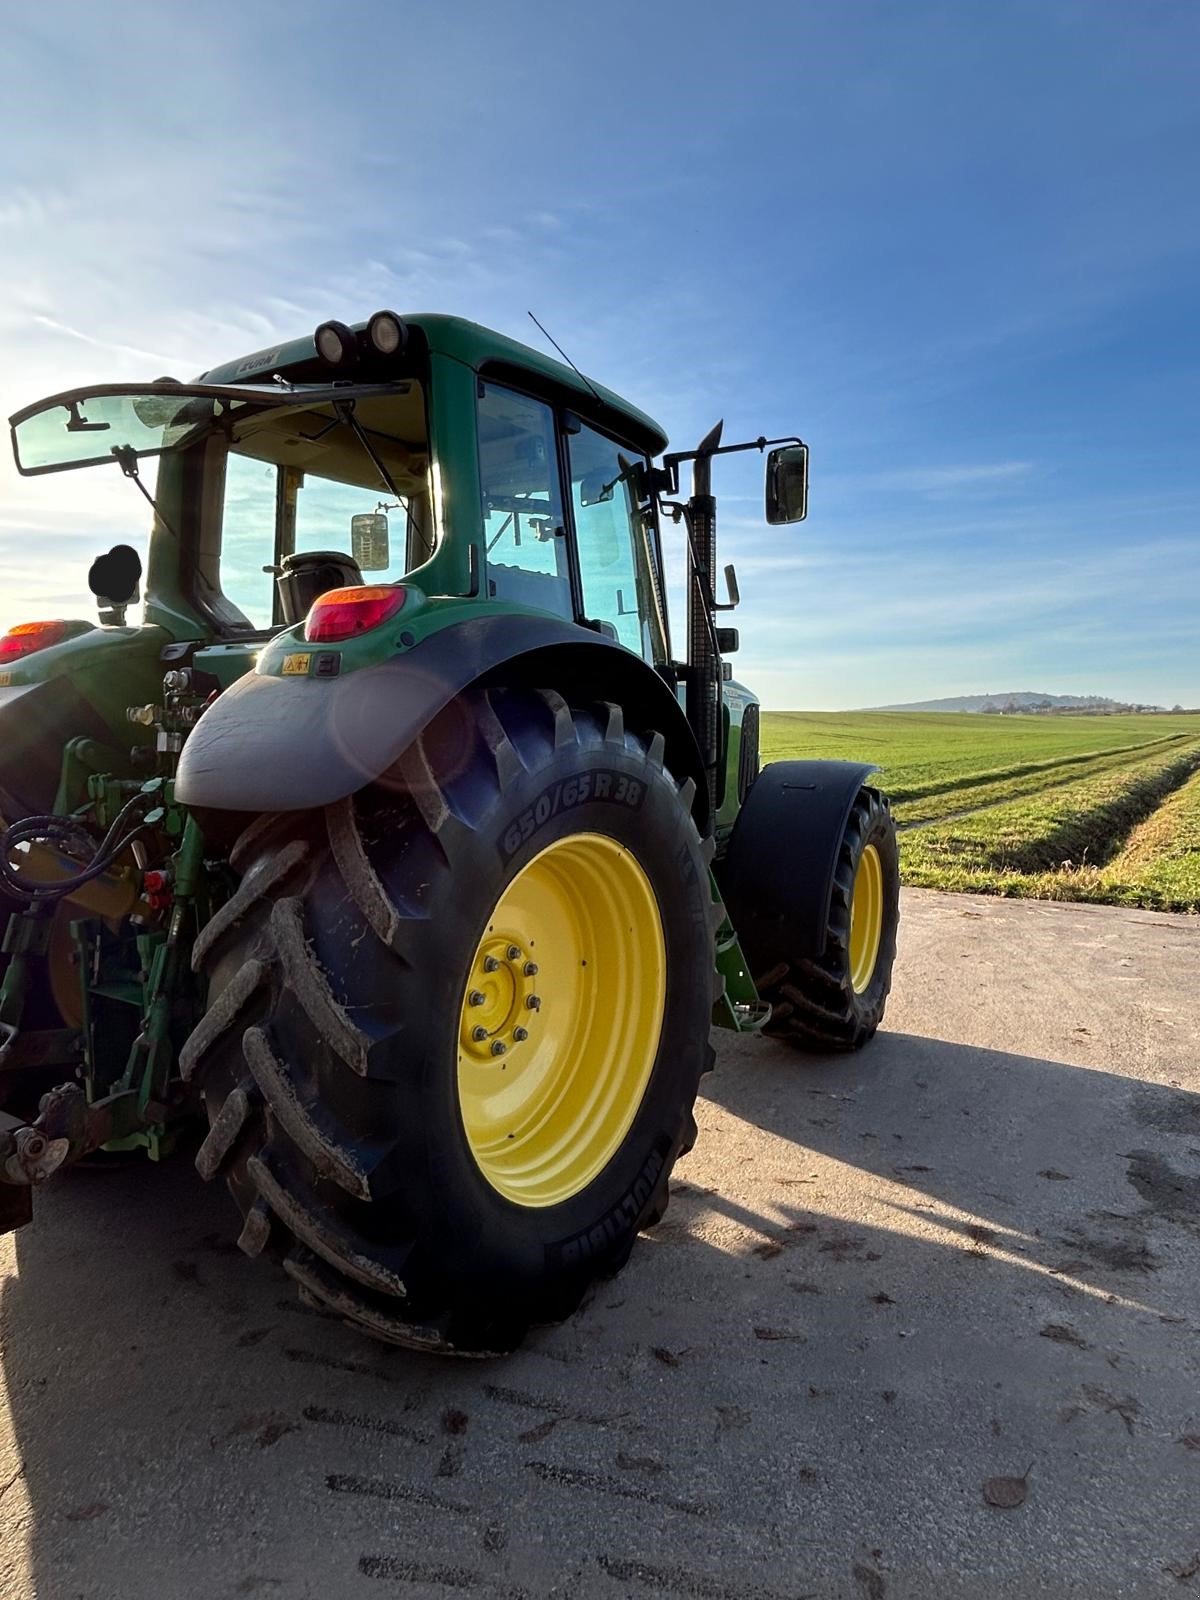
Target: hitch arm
{"points": [[66, 1128]]}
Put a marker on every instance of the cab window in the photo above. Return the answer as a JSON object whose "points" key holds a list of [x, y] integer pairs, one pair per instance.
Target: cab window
{"points": [[300, 480], [323, 520], [248, 537], [616, 556], [524, 528]]}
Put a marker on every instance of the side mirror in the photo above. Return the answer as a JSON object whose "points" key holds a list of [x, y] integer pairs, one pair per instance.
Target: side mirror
{"points": [[369, 541], [787, 484]]}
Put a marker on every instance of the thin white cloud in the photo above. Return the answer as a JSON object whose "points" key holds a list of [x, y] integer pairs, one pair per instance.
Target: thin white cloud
{"points": [[97, 344], [938, 480]]}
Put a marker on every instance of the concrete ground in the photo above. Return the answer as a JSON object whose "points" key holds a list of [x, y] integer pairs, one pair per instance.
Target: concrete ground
{"points": [[961, 1266]]}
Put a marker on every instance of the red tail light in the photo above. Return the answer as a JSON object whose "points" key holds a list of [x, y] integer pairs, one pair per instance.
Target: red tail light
{"points": [[345, 613], [27, 637]]}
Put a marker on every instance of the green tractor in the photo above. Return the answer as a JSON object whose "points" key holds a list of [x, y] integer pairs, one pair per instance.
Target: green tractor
{"points": [[414, 872]]}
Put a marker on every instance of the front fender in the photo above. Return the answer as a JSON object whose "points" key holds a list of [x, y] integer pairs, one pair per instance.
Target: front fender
{"points": [[289, 744], [778, 869]]}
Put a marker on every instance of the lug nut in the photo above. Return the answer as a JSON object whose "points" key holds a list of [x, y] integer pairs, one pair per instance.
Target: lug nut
{"points": [[498, 1047], [514, 952], [531, 969], [475, 998], [534, 1002], [490, 963], [479, 1034], [520, 1035]]}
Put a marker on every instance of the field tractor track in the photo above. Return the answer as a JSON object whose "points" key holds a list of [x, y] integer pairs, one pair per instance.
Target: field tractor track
{"points": [[1128, 757], [901, 796]]}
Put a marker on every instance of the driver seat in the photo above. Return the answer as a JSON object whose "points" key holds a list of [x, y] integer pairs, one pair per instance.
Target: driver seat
{"points": [[307, 575]]}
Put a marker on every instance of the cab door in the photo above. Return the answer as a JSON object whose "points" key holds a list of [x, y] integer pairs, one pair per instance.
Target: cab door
{"points": [[620, 585]]}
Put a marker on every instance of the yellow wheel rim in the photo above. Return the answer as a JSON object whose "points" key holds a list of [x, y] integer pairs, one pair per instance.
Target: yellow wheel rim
{"points": [[561, 1017], [866, 919]]}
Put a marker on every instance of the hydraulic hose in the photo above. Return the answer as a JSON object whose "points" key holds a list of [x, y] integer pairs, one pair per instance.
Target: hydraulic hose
{"points": [[70, 836]]}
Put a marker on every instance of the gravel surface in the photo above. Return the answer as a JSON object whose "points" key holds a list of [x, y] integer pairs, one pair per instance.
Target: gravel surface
{"points": [[920, 1323]]}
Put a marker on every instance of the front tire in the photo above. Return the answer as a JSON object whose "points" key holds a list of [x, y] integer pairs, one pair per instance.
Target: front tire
{"points": [[434, 1189]]}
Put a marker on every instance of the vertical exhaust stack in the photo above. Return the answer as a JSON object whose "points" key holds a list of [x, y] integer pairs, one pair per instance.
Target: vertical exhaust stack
{"points": [[704, 681]]}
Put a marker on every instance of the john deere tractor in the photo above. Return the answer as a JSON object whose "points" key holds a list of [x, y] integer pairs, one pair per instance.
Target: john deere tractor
{"points": [[397, 849]]}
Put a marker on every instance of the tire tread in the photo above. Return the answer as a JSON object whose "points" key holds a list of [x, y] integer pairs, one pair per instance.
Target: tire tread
{"points": [[289, 1151]]}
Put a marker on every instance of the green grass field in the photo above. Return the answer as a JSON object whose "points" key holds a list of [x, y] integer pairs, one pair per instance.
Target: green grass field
{"points": [[1074, 808]]}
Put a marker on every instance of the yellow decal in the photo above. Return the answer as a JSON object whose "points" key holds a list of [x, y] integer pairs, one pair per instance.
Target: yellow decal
{"points": [[296, 666], [5, 679]]}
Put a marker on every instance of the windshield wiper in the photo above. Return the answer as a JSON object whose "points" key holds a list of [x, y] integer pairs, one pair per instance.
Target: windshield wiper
{"points": [[345, 413], [126, 458]]}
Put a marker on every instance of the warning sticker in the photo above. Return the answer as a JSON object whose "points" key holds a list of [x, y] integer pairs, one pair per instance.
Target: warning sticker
{"points": [[296, 666]]}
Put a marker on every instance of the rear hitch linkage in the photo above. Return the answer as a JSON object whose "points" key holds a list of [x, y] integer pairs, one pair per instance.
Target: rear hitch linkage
{"points": [[65, 1129]]}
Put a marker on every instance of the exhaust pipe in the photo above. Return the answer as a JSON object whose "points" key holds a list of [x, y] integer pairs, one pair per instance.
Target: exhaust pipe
{"points": [[704, 661]]}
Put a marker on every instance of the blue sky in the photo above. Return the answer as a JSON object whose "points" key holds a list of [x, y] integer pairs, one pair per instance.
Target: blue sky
{"points": [[955, 246]]}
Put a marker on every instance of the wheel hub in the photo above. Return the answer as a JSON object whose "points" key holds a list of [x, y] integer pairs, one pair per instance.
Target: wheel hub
{"points": [[500, 988]]}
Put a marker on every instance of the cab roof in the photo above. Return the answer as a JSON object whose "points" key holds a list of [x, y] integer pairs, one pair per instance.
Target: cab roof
{"points": [[479, 348]]}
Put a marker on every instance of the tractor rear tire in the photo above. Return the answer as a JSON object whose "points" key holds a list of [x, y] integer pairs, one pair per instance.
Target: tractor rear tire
{"points": [[418, 1089], [836, 1002]]}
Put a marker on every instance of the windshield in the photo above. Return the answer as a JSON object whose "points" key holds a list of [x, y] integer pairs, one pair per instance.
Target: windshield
{"points": [[93, 426]]}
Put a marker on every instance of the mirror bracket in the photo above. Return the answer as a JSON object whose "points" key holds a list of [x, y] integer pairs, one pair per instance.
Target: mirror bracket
{"points": [[731, 585]]}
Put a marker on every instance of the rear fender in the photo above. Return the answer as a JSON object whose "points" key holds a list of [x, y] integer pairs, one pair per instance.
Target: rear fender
{"points": [[292, 743], [779, 866]]}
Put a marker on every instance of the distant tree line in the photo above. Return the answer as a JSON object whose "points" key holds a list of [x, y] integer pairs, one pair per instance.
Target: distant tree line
{"points": [[1047, 708]]}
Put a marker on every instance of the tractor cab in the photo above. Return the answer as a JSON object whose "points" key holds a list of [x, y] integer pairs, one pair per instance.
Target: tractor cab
{"points": [[425, 453], [370, 455]]}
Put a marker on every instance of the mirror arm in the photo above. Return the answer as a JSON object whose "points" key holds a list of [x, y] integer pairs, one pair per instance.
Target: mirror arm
{"points": [[671, 462]]}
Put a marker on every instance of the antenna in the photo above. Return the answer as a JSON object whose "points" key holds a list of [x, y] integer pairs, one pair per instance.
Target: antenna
{"points": [[567, 358]]}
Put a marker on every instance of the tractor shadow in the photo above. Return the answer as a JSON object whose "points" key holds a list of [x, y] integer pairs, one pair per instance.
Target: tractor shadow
{"points": [[882, 1281]]}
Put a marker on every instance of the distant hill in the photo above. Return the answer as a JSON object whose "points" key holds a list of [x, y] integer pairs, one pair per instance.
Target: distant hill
{"points": [[1024, 701]]}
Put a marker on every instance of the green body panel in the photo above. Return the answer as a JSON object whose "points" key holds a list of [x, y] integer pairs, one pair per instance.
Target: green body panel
{"points": [[226, 662], [420, 617], [737, 1007], [126, 653], [168, 604], [738, 699], [76, 693]]}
